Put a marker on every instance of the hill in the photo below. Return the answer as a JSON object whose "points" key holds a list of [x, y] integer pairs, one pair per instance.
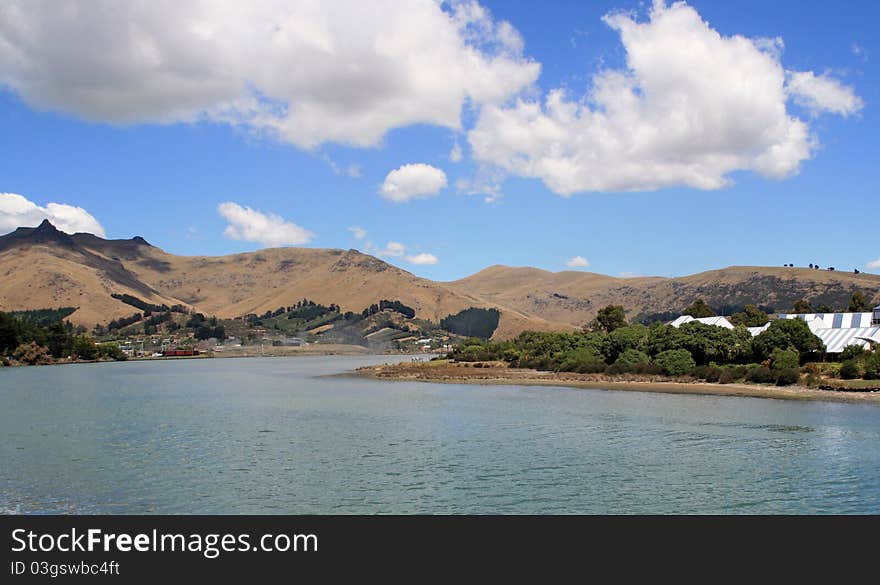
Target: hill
{"points": [[45, 268]]}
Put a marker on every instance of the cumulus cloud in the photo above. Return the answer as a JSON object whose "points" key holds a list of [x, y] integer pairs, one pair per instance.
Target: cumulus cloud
{"points": [[821, 93], [305, 72], [577, 262], [691, 107], [423, 258], [359, 233], [398, 250], [250, 225], [874, 264], [18, 211], [414, 181]]}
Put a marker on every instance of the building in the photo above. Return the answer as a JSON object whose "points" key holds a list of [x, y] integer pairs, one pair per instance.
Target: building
{"points": [[717, 321], [836, 330]]}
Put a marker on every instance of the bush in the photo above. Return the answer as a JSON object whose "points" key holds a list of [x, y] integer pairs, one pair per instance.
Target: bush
{"points": [[850, 370], [787, 376], [783, 359], [675, 362], [711, 373], [872, 366], [633, 357], [851, 352], [726, 377], [33, 354], [760, 375]]}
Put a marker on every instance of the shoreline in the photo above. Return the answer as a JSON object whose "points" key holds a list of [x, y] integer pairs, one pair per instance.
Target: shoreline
{"points": [[446, 374]]}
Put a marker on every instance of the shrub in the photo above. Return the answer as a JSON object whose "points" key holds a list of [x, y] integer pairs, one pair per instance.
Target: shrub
{"points": [[872, 366], [783, 359], [851, 352], [33, 354], [675, 362], [850, 370], [711, 373], [726, 377], [787, 376], [760, 375], [633, 357]]}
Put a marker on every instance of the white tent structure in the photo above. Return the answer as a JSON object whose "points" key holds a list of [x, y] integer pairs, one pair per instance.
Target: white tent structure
{"points": [[717, 321], [836, 330]]}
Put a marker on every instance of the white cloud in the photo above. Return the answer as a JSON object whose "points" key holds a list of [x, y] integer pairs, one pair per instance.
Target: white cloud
{"points": [[455, 154], [821, 93], [398, 250], [352, 170], [391, 250], [691, 107], [423, 258], [873, 264], [18, 211], [359, 233], [577, 262], [251, 225], [302, 71], [414, 181]]}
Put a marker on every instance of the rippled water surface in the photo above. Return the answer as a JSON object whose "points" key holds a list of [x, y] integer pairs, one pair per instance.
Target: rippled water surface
{"points": [[277, 435]]}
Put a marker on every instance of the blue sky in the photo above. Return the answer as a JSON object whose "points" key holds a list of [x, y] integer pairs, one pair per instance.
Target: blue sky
{"points": [[691, 187]]}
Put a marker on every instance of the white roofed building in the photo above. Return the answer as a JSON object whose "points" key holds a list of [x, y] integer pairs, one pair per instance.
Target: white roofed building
{"points": [[717, 321]]}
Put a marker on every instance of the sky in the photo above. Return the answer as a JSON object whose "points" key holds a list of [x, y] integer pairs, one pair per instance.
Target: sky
{"points": [[620, 137]]}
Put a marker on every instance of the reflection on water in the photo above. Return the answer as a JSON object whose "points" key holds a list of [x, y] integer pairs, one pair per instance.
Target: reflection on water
{"points": [[279, 436]]}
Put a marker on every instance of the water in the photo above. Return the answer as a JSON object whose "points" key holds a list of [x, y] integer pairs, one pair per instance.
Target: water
{"points": [[276, 436]]}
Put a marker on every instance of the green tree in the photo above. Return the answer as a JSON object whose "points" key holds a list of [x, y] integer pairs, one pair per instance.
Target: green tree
{"points": [[751, 316], [84, 347], [801, 306], [609, 318], [786, 334], [623, 338], [858, 303], [675, 362], [699, 309], [782, 359]]}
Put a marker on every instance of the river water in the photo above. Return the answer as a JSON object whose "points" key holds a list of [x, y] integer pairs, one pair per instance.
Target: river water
{"points": [[282, 436]]}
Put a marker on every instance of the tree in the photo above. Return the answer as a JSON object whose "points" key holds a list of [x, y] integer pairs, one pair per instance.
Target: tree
{"points": [[699, 309], [32, 354], [84, 347], [858, 303], [786, 334], [609, 318], [782, 359], [675, 362], [801, 306], [751, 316], [824, 308]]}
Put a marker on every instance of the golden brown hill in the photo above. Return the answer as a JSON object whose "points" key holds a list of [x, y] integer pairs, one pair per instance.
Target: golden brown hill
{"points": [[575, 297], [45, 268]]}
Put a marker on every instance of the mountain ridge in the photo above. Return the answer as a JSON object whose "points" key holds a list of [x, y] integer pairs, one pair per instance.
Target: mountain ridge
{"points": [[43, 267]]}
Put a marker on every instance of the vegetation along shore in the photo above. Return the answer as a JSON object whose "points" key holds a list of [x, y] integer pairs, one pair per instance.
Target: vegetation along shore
{"points": [[785, 360]]}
